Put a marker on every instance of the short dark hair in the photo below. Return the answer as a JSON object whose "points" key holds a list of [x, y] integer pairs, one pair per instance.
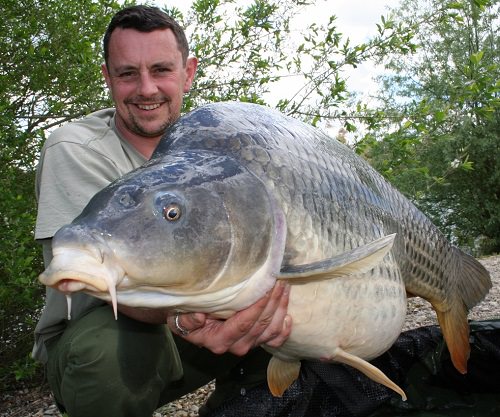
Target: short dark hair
{"points": [[145, 19]]}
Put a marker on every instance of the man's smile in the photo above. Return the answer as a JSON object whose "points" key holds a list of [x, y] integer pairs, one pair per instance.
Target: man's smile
{"points": [[148, 106]]}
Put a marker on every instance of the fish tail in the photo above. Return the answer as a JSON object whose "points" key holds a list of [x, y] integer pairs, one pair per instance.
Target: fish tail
{"points": [[456, 333], [474, 280], [473, 283]]}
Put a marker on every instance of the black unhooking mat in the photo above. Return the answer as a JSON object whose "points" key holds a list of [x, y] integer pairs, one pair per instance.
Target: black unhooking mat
{"points": [[418, 362]]}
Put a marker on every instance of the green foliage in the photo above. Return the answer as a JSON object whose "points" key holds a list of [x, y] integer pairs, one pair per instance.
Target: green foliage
{"points": [[49, 74], [247, 52], [239, 48], [436, 133]]}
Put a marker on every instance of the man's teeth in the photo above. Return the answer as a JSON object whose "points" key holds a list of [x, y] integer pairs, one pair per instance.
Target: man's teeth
{"points": [[148, 106]]}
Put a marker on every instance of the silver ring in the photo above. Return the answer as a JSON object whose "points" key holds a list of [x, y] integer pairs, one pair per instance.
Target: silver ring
{"points": [[180, 329]]}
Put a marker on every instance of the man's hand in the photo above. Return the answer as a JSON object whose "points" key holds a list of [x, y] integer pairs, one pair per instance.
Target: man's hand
{"points": [[266, 321]]}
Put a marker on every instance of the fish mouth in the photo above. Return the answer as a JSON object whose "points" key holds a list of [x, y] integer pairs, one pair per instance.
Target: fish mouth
{"points": [[78, 270], [72, 281]]}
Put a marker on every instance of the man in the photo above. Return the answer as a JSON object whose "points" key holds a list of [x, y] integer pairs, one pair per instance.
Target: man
{"points": [[98, 366]]}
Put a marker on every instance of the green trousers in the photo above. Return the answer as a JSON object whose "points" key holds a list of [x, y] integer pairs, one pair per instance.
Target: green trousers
{"points": [[124, 368]]}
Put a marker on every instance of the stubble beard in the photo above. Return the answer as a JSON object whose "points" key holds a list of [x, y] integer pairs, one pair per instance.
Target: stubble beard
{"points": [[135, 126]]}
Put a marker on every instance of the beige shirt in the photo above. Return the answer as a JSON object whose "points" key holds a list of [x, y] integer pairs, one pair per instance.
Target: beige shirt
{"points": [[77, 161]]}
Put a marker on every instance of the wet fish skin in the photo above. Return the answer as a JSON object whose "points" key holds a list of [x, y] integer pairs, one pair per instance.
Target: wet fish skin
{"points": [[312, 200], [339, 188], [125, 225]]}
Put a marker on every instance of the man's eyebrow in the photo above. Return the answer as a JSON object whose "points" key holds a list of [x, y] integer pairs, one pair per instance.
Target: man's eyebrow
{"points": [[160, 64], [163, 64]]}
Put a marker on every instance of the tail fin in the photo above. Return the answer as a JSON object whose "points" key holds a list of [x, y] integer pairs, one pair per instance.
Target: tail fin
{"points": [[474, 280], [473, 283], [455, 330]]}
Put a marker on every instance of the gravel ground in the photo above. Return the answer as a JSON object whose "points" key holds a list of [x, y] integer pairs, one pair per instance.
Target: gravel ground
{"points": [[37, 402]]}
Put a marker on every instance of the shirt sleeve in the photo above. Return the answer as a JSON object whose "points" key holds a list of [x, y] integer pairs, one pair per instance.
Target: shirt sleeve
{"points": [[69, 174]]}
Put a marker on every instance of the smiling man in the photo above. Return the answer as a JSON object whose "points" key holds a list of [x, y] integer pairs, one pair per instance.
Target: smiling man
{"points": [[96, 365], [147, 76]]}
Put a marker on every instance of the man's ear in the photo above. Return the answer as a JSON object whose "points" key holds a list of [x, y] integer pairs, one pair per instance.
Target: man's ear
{"points": [[105, 73], [191, 65]]}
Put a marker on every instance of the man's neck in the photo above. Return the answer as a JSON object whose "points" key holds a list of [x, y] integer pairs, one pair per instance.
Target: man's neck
{"points": [[144, 145]]}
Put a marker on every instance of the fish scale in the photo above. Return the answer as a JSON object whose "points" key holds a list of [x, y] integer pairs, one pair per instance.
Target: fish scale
{"points": [[260, 197]]}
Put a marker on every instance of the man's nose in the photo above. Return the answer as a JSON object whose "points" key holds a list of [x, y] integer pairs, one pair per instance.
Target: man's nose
{"points": [[147, 85]]}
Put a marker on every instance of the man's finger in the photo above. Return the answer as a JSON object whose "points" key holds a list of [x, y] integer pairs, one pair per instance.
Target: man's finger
{"points": [[245, 324], [270, 324], [185, 323], [266, 321], [280, 338]]}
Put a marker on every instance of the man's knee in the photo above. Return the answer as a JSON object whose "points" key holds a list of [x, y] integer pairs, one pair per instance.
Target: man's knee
{"points": [[106, 366]]}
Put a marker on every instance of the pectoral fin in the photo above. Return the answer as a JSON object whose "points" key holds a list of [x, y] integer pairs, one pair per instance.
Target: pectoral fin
{"points": [[355, 261], [281, 374], [368, 369]]}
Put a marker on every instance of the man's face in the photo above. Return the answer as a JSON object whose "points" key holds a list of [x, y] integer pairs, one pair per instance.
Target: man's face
{"points": [[147, 80]]}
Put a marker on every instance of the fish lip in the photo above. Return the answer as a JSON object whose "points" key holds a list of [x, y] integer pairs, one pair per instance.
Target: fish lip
{"points": [[93, 271], [64, 281]]}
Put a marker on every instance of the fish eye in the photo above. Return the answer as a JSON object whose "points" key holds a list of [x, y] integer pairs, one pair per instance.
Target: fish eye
{"points": [[172, 212]]}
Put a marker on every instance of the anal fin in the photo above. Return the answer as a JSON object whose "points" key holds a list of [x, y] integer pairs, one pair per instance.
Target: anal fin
{"points": [[368, 369], [281, 374]]}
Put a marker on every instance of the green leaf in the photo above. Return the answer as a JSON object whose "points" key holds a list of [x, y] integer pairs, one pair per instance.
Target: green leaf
{"points": [[439, 115], [477, 57], [455, 5]]}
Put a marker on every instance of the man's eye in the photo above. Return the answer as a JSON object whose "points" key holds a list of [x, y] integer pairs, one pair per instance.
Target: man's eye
{"points": [[127, 74], [162, 70]]}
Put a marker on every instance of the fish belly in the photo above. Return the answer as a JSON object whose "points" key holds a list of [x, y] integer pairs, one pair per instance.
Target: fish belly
{"points": [[361, 314]]}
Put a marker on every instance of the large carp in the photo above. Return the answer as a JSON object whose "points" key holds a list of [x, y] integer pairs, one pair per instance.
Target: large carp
{"points": [[237, 196]]}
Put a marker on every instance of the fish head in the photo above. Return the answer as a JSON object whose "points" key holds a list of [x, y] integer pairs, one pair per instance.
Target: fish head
{"points": [[185, 225]]}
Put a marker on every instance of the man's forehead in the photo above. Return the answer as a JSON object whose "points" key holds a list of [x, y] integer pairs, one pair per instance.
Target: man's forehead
{"points": [[127, 39], [131, 44]]}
